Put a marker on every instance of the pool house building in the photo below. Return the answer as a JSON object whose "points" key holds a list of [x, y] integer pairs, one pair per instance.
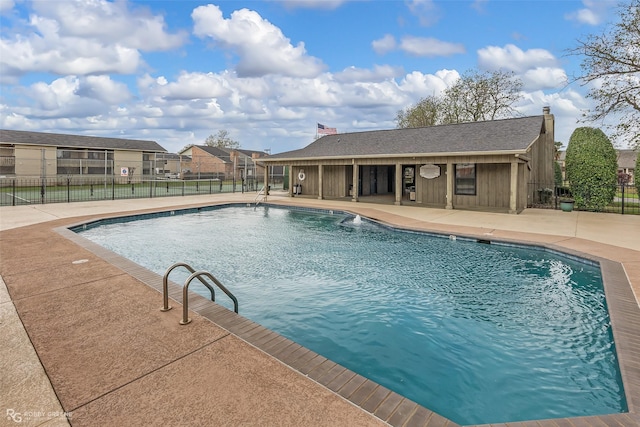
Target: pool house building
{"points": [[496, 165]]}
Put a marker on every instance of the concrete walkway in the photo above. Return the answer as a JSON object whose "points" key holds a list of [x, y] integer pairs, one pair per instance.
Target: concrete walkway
{"points": [[146, 370]]}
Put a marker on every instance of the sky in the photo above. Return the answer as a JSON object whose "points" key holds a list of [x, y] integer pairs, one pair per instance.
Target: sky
{"points": [[267, 72]]}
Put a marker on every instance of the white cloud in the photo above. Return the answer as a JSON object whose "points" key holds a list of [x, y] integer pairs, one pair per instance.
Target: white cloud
{"points": [[193, 86], [82, 38], [261, 47], [272, 99], [426, 11], [566, 106], [64, 56], [544, 78], [594, 12], [72, 97], [110, 22], [384, 45], [430, 47], [514, 59], [378, 73], [417, 46], [422, 85], [6, 5], [104, 89], [295, 92]]}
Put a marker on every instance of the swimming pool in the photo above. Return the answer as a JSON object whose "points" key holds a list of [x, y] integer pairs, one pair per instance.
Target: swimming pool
{"points": [[478, 333]]}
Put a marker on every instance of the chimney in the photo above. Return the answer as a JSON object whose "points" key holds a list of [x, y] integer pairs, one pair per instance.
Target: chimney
{"points": [[546, 110]]}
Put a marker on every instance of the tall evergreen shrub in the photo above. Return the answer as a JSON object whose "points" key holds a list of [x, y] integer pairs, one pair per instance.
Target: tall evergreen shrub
{"points": [[591, 168]]}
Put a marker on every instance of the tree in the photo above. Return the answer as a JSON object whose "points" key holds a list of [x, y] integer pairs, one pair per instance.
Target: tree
{"points": [[473, 97], [222, 140], [592, 168], [482, 96], [611, 65], [427, 112], [557, 150]]}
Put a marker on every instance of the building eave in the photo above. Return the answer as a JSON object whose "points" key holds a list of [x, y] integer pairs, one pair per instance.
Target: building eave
{"points": [[397, 156]]}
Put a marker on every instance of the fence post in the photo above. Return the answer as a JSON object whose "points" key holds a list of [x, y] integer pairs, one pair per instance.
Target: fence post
{"points": [[68, 190], [113, 188], [183, 188], [622, 198], [14, 192], [42, 190]]}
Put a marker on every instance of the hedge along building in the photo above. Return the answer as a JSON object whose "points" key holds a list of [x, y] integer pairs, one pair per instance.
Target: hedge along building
{"points": [[487, 165]]}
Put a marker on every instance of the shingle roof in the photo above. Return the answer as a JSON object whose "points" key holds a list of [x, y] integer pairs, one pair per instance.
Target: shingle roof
{"points": [[490, 136], [215, 151], [250, 153], [76, 141], [627, 158]]}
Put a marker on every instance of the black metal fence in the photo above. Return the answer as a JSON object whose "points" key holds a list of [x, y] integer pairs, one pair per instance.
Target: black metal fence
{"points": [[16, 191], [625, 201]]}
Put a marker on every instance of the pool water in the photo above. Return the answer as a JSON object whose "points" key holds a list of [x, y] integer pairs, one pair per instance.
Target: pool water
{"points": [[478, 333]]}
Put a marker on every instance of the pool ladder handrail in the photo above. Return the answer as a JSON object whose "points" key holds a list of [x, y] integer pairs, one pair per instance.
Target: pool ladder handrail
{"points": [[259, 199], [185, 290]]}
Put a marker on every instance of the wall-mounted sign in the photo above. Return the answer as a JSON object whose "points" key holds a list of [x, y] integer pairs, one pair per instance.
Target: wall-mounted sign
{"points": [[124, 171], [429, 171]]}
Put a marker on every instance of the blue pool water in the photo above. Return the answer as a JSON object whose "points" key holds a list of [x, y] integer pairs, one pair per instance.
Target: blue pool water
{"points": [[475, 332]]}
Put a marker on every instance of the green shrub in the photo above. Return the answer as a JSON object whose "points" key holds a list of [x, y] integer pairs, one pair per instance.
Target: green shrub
{"points": [[591, 167], [557, 174]]}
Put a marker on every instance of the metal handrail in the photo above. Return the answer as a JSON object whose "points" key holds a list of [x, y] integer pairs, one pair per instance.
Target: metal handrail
{"points": [[165, 284], [260, 193], [185, 294]]}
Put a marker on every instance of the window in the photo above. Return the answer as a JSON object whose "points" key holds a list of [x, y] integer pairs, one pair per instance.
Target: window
{"points": [[7, 160], [466, 179]]}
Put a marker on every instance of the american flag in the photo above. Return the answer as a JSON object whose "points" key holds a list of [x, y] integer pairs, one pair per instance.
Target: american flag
{"points": [[322, 129]]}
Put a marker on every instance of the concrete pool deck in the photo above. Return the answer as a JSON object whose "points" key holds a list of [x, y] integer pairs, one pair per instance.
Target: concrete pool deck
{"points": [[85, 336]]}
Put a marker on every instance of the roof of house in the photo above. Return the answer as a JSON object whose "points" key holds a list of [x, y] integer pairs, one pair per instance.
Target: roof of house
{"points": [[627, 158], [215, 151], [76, 141], [250, 153], [507, 135], [225, 153]]}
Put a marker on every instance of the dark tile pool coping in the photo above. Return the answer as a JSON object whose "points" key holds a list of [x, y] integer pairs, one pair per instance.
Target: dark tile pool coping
{"points": [[385, 404]]}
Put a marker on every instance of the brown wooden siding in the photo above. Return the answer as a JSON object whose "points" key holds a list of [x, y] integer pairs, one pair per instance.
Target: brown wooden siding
{"points": [[523, 183], [432, 192], [335, 181], [493, 186], [310, 183]]}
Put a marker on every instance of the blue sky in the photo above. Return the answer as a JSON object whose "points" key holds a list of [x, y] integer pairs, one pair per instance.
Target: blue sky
{"points": [[268, 71]]}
